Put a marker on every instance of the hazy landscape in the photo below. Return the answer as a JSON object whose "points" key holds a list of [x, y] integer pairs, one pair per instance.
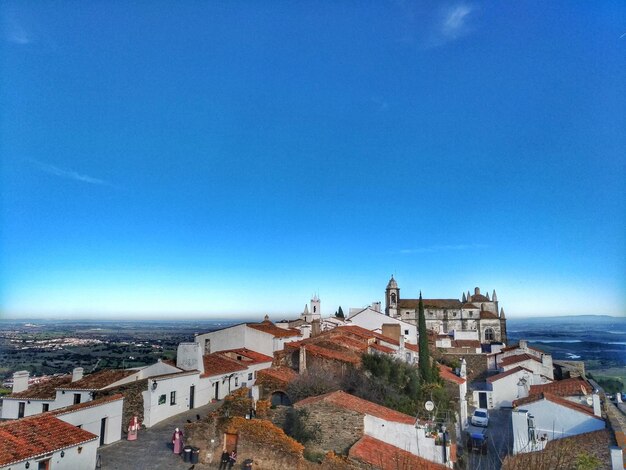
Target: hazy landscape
{"points": [[48, 346]]}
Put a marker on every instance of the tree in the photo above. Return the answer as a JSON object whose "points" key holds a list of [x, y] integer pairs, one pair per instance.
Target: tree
{"points": [[339, 313], [424, 354]]}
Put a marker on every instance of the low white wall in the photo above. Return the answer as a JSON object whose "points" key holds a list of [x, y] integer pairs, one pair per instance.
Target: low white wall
{"points": [[10, 407], [66, 398], [90, 419], [153, 412]]}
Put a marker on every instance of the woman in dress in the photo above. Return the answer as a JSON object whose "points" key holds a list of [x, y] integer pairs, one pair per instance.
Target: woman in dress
{"points": [[177, 440]]}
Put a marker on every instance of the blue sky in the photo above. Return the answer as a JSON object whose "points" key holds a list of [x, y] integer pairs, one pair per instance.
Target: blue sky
{"points": [[231, 158]]}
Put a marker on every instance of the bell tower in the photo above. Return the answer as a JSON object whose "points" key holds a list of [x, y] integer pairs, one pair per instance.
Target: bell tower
{"points": [[316, 312], [392, 297]]}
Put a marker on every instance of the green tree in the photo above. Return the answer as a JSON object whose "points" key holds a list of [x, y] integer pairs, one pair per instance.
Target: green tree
{"points": [[424, 354], [339, 313]]}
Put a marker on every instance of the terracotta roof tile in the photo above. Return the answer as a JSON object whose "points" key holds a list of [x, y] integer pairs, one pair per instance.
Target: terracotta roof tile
{"points": [[564, 388], [446, 373], [99, 380], [557, 400], [215, 364], [501, 375], [431, 303], [245, 356], [364, 332], [412, 347], [345, 400], [347, 356], [466, 343], [381, 348], [507, 361], [484, 315], [34, 436], [268, 327], [381, 455], [351, 343], [45, 390], [283, 374], [87, 404]]}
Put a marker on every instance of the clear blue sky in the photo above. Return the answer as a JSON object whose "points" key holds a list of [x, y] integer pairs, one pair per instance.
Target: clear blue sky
{"points": [[232, 158]]}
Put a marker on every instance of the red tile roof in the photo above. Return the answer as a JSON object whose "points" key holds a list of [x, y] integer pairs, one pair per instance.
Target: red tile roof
{"points": [[516, 346], [45, 390], [347, 356], [381, 348], [557, 400], [350, 343], [364, 332], [345, 400], [412, 347], [216, 364], [564, 388], [446, 373], [466, 343], [269, 328], [484, 315], [381, 455], [31, 437], [430, 303], [87, 404], [501, 375], [245, 356], [283, 374], [507, 361], [99, 380], [174, 374]]}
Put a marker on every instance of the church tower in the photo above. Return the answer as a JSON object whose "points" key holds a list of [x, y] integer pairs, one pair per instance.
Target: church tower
{"points": [[392, 298], [316, 311]]}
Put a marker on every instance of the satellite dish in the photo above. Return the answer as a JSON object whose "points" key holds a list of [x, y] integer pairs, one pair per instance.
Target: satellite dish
{"points": [[429, 405], [589, 401]]}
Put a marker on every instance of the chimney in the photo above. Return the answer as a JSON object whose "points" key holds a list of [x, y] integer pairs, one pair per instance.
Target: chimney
{"points": [[392, 330], [20, 381], [77, 374], [315, 327], [597, 410], [376, 306], [463, 371], [523, 344], [302, 366]]}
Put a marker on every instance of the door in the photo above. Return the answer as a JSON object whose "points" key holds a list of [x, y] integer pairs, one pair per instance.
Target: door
{"points": [[217, 390], [20, 409], [230, 442], [482, 400], [43, 464], [103, 428], [192, 393]]}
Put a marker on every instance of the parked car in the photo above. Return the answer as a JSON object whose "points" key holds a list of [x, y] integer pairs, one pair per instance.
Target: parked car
{"points": [[477, 442], [480, 417]]}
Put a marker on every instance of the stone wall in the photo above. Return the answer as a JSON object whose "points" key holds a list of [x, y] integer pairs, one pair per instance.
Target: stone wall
{"points": [[133, 400], [476, 365], [340, 428]]}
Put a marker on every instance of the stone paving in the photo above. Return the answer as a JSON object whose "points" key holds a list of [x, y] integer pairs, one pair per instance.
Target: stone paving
{"points": [[153, 448]]}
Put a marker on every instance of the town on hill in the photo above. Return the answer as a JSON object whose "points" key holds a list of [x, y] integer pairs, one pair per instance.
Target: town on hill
{"points": [[416, 383]]}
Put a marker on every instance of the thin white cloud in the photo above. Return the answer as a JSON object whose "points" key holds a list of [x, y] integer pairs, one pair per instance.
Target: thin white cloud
{"points": [[15, 33], [455, 21], [69, 174], [437, 248]]}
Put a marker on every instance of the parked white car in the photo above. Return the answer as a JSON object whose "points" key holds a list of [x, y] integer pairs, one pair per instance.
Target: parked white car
{"points": [[480, 417]]}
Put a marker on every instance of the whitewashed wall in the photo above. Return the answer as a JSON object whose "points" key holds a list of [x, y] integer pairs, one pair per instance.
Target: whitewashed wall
{"points": [[10, 407], [90, 419], [66, 398], [371, 320], [154, 413]]}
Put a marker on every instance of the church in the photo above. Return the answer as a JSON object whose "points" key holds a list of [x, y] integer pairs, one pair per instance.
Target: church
{"points": [[477, 312]]}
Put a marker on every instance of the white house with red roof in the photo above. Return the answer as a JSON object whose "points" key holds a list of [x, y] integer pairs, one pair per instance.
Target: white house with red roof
{"points": [[522, 355], [538, 419], [45, 441], [505, 387], [264, 337], [373, 320]]}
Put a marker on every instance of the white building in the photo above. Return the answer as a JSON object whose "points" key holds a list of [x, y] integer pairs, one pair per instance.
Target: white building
{"points": [[373, 320], [44, 441], [504, 388], [264, 337], [540, 419]]}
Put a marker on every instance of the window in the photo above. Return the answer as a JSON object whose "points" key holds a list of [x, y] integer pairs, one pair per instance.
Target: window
{"points": [[489, 336], [20, 409], [45, 407], [255, 374], [76, 398], [250, 376], [162, 399], [207, 346], [406, 332], [236, 381], [172, 398]]}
